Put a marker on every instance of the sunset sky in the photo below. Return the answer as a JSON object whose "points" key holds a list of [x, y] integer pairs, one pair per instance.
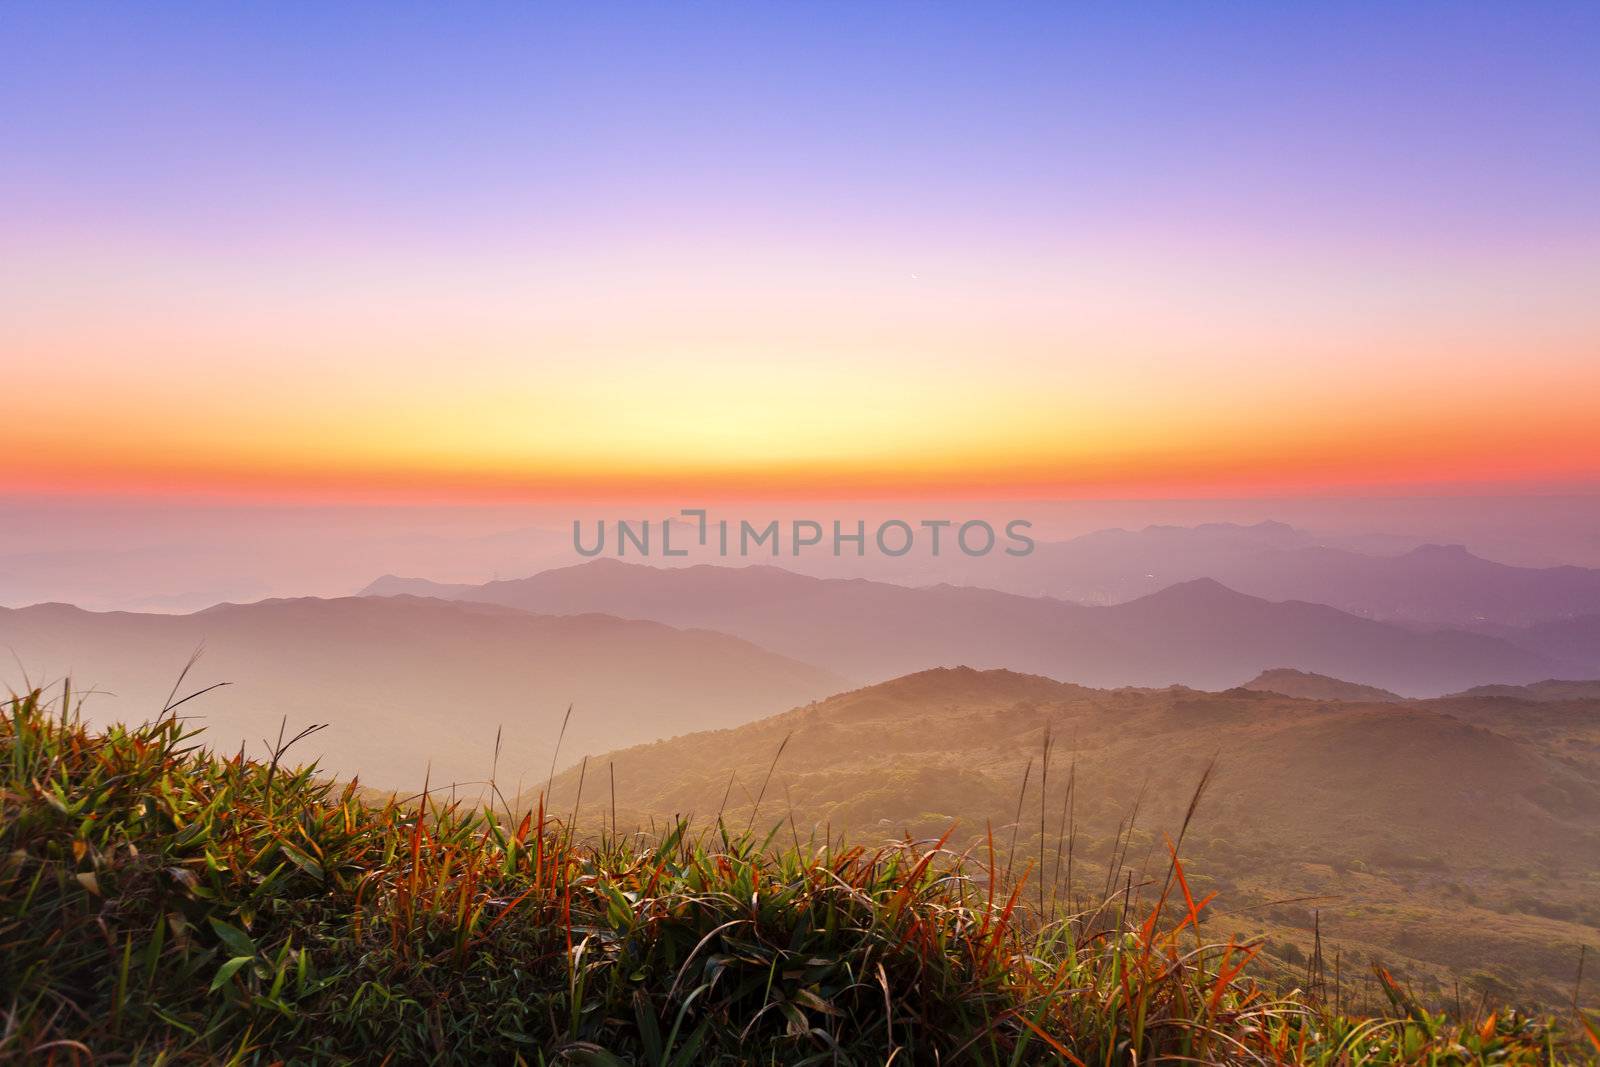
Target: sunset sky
{"points": [[518, 251]]}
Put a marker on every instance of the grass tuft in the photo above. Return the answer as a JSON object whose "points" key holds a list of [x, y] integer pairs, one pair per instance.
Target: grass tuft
{"points": [[163, 903]]}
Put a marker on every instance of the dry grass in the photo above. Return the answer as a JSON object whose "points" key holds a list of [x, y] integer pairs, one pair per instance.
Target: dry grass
{"points": [[160, 903]]}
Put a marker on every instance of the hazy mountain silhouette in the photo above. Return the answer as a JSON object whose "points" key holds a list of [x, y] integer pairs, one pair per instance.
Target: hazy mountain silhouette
{"points": [[1197, 633], [1545, 692], [1575, 641], [1435, 584], [1293, 683], [407, 682]]}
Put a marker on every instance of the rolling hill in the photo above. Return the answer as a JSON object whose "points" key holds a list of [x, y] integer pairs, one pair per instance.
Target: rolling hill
{"points": [[1447, 844], [1293, 683], [1550, 690], [381, 672]]}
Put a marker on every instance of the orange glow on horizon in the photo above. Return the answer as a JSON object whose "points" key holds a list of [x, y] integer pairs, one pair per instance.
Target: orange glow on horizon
{"points": [[973, 254], [1150, 375], [1337, 458]]}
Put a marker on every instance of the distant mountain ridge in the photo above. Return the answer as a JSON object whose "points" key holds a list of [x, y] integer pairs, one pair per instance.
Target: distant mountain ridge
{"points": [[1552, 689], [1429, 584], [1575, 641], [1301, 684], [1198, 633]]}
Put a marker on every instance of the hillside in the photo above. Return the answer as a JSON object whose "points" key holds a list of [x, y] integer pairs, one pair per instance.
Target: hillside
{"points": [[1573, 640], [193, 909], [379, 671], [1444, 844], [1293, 683], [1197, 633]]}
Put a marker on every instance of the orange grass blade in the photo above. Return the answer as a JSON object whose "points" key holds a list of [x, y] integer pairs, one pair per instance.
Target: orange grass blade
{"points": [[1052, 1042]]}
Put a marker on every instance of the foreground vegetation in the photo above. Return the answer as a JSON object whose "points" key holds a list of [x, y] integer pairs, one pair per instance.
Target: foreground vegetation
{"points": [[160, 903]]}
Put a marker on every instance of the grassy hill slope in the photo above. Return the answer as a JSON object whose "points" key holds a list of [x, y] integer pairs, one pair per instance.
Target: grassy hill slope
{"points": [[159, 904], [1455, 838]]}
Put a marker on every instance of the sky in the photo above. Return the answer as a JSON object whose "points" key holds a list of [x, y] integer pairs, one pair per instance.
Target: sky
{"points": [[1053, 251]]}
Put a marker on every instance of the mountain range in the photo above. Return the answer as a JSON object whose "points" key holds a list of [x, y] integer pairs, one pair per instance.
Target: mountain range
{"points": [[1429, 584], [1197, 633]]}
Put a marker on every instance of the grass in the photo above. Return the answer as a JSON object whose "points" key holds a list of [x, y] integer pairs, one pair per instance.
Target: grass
{"points": [[163, 903]]}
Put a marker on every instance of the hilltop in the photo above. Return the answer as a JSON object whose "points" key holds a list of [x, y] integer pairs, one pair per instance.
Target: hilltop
{"points": [[1292, 683]]}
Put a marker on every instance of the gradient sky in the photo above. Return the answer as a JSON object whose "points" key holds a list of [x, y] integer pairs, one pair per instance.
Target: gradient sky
{"points": [[521, 251]]}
